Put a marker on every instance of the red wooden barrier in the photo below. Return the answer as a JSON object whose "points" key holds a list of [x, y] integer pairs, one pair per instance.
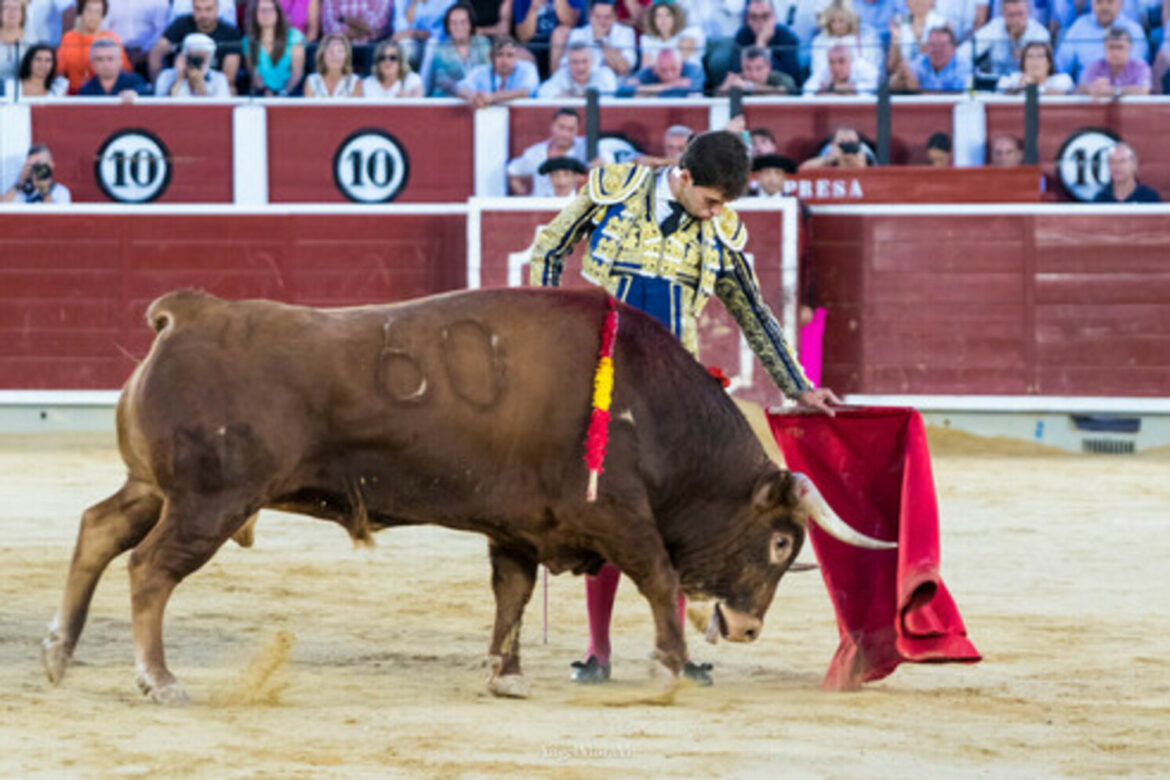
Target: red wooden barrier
{"points": [[74, 289], [197, 142], [307, 152], [1050, 303]]}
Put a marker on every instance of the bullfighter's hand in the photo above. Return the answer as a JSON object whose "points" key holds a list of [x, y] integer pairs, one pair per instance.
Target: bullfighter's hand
{"points": [[821, 399]]}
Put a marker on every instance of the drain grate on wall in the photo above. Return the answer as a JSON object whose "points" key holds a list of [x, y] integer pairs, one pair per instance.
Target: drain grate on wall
{"points": [[1108, 446]]}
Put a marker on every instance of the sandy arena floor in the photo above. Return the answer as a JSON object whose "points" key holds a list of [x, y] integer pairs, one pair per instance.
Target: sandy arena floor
{"points": [[307, 658]]}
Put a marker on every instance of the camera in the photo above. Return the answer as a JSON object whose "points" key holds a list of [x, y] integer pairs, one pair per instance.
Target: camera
{"points": [[41, 171], [196, 61], [849, 147]]}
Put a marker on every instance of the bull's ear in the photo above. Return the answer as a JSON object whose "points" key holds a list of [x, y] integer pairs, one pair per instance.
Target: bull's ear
{"points": [[771, 491]]}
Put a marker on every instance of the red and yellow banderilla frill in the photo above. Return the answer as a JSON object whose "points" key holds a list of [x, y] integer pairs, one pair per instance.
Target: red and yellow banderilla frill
{"points": [[597, 438]]}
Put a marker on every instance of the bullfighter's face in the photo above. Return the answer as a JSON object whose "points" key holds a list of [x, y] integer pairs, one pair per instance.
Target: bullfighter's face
{"points": [[742, 570]]}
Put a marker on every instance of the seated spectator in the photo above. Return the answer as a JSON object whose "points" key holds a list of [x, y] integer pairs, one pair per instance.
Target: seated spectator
{"points": [[536, 21], [840, 26], [664, 26], [109, 80], [139, 24], [908, 38], [460, 52], [1036, 67], [360, 21], [761, 29], [204, 19], [44, 19], [757, 77], [73, 53], [844, 150], [844, 76], [1007, 151], [667, 77], [275, 50], [566, 174], [193, 74], [612, 43], [334, 77], [416, 22], [1063, 13], [1116, 74], [1084, 42], [1123, 186], [226, 11], [578, 76], [718, 21], [504, 78], [391, 77], [938, 151], [12, 37], [761, 142], [675, 140], [524, 175], [37, 182], [770, 172], [999, 45], [936, 70], [38, 73], [303, 15]]}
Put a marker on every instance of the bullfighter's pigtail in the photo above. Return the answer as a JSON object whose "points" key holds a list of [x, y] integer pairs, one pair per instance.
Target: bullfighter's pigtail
{"points": [[597, 439]]}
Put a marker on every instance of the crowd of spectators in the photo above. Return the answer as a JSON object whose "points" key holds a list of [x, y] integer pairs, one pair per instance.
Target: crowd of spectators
{"points": [[488, 51]]}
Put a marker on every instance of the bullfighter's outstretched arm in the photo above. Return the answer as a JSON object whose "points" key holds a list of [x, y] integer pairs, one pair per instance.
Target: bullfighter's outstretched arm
{"points": [[556, 241], [740, 293]]}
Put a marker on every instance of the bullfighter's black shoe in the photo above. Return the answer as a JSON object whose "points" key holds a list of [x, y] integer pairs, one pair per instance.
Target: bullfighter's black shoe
{"points": [[590, 671], [700, 673]]}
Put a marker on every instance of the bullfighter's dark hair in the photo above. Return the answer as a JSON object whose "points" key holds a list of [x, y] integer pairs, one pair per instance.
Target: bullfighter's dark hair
{"points": [[717, 159]]}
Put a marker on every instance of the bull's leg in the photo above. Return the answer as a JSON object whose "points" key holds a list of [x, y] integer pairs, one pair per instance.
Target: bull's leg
{"points": [[643, 558], [107, 530], [185, 538], [513, 577]]}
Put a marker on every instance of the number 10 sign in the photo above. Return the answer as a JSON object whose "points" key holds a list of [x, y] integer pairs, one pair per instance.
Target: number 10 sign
{"points": [[371, 167]]}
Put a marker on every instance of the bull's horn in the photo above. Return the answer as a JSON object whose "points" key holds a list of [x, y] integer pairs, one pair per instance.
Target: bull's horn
{"points": [[823, 515]]}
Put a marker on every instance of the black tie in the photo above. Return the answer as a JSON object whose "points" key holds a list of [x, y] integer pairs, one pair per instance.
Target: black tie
{"points": [[670, 224]]}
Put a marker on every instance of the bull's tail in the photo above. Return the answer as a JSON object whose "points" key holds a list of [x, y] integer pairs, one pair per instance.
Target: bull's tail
{"points": [[175, 306]]}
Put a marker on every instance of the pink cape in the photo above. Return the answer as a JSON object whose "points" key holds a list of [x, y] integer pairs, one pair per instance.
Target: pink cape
{"points": [[872, 466]]}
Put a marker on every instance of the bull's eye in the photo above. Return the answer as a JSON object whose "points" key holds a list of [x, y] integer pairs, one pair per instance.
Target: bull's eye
{"points": [[780, 548]]}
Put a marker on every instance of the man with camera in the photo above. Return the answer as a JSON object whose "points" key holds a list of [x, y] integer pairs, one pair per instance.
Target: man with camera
{"points": [[193, 75], [36, 183]]}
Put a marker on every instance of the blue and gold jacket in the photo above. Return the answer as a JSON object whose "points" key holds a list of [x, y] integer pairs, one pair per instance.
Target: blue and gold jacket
{"points": [[702, 257]]}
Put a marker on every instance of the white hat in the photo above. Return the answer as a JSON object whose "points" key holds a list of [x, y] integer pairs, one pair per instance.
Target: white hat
{"points": [[198, 42]]}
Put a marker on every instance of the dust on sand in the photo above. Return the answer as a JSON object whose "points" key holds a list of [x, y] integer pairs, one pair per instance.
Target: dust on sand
{"points": [[1057, 563]]}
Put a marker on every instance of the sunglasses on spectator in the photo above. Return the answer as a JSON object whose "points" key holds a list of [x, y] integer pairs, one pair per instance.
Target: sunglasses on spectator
{"points": [[386, 58]]}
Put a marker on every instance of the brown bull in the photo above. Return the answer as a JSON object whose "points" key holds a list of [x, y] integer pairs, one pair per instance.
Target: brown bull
{"points": [[466, 410]]}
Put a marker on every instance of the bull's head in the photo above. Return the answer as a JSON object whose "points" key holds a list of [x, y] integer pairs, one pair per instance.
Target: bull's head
{"points": [[761, 543]]}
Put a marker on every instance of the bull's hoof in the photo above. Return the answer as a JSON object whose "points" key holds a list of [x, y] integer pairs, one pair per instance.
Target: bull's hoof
{"points": [[662, 674], [55, 656], [699, 673], [509, 686], [169, 695]]}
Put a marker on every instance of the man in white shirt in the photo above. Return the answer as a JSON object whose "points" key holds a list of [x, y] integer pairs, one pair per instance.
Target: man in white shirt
{"points": [[612, 44], [36, 183], [574, 78], [193, 75], [1002, 40], [563, 142], [845, 75]]}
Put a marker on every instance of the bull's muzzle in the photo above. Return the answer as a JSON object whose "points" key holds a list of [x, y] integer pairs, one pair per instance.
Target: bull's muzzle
{"points": [[732, 625]]}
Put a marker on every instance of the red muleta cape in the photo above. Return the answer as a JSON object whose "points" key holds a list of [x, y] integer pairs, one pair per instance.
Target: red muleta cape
{"points": [[872, 466]]}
